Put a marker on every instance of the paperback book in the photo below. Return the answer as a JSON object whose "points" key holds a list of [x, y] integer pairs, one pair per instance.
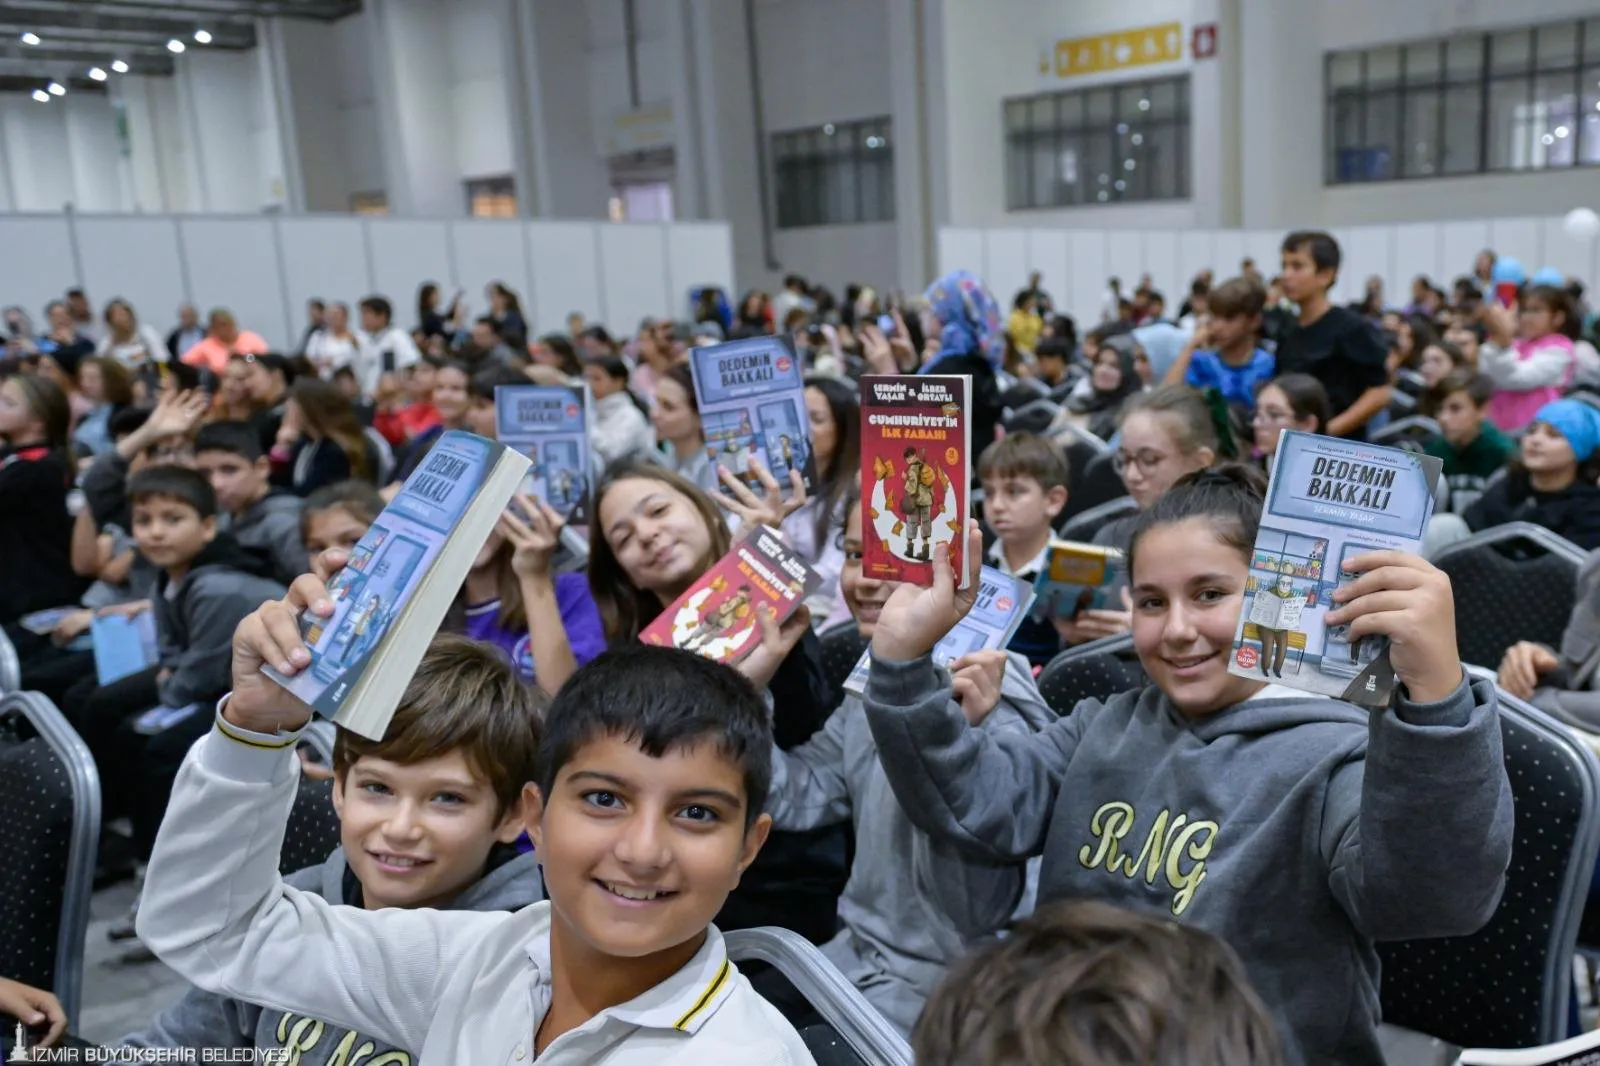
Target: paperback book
{"points": [[549, 425], [1080, 577], [1329, 500], [716, 616], [916, 443], [1581, 1050], [752, 403], [400, 579], [1003, 602], [123, 645]]}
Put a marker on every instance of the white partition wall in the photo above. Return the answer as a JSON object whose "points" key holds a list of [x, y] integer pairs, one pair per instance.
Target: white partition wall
{"points": [[1076, 262], [265, 268]]}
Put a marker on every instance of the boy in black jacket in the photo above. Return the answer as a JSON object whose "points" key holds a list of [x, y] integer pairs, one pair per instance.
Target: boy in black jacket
{"points": [[205, 586], [264, 520]]}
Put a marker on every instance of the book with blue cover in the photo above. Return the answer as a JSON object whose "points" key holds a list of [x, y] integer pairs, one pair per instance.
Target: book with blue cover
{"points": [[1329, 500], [400, 579], [1003, 602], [752, 403], [123, 645], [549, 425]]}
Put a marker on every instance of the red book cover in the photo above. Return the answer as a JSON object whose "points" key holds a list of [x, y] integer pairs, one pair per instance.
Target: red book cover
{"points": [[916, 466], [716, 617]]}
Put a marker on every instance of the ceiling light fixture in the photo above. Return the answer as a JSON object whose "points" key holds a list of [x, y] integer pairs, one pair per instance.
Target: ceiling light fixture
{"points": [[30, 38], [175, 46], [119, 66], [202, 37], [41, 96], [97, 73], [57, 89]]}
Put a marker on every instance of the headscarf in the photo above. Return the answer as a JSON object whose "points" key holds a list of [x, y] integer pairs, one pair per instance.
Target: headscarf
{"points": [[1103, 407], [969, 318]]}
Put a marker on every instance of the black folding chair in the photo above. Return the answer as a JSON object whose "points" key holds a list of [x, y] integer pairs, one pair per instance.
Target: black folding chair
{"points": [[1512, 582], [842, 645], [10, 665], [1097, 670], [313, 829], [1034, 415], [1086, 524], [1414, 433], [1100, 484], [49, 837], [852, 1033], [1507, 985]]}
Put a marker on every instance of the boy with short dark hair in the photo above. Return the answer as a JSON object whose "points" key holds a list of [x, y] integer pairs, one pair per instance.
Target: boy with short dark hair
{"points": [[1093, 985], [427, 817], [1052, 356], [264, 520], [204, 585], [1024, 478], [1333, 344], [1223, 353], [653, 772], [1471, 446]]}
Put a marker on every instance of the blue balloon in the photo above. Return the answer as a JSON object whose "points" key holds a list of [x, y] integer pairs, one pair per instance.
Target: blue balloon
{"points": [[1507, 269], [1548, 276]]}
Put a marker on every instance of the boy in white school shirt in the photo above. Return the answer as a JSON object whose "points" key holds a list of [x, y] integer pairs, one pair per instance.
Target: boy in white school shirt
{"points": [[653, 773]]}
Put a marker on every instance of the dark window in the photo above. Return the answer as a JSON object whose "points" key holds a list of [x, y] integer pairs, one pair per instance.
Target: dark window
{"points": [[1118, 143], [838, 173], [1523, 99]]}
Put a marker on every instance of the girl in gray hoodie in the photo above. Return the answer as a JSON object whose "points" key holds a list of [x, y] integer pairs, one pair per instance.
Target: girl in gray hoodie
{"points": [[1297, 828]]}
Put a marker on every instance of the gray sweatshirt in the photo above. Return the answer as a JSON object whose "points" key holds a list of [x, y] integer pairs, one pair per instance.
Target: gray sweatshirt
{"points": [[196, 618], [1296, 828], [1572, 691], [206, 1020], [912, 903], [270, 527]]}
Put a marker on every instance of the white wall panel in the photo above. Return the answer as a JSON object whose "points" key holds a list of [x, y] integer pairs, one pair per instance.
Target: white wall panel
{"points": [[960, 249], [1088, 273], [1005, 265], [136, 259], [485, 251], [566, 274], [1368, 251], [405, 253], [698, 255], [633, 272], [44, 273], [233, 263], [1416, 252], [1194, 255], [1124, 258], [1161, 263], [327, 258], [1048, 254], [1459, 245], [1519, 237], [1574, 258]]}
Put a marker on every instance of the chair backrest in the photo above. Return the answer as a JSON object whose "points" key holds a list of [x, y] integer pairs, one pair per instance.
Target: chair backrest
{"points": [[385, 455], [850, 1016], [10, 666], [1507, 985], [1100, 484], [1096, 670], [49, 837], [1512, 582], [1036, 415], [313, 829], [1086, 524], [1416, 431], [842, 645]]}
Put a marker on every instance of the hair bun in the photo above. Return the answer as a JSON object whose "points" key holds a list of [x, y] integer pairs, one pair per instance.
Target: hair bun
{"points": [[1227, 476]]}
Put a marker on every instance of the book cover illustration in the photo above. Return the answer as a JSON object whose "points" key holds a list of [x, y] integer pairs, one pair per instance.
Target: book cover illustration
{"points": [[123, 645], [716, 617], [1329, 500], [751, 397], [1002, 603], [385, 568], [1080, 577], [915, 472], [549, 425]]}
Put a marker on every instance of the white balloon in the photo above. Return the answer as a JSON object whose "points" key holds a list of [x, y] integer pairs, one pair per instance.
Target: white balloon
{"points": [[1581, 224]]}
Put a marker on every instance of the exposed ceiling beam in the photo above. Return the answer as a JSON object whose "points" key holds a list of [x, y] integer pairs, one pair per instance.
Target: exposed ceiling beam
{"points": [[212, 9], [14, 83], [20, 58], [78, 23]]}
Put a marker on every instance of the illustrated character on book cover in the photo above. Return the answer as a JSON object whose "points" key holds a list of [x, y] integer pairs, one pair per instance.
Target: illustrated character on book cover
{"points": [[1276, 613], [717, 622], [720, 621]]}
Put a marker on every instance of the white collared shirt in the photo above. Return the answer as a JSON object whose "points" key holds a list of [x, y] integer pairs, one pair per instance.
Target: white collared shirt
{"points": [[997, 559], [456, 986]]}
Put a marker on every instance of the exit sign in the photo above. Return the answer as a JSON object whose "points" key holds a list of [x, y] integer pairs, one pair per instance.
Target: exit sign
{"points": [[1203, 41]]}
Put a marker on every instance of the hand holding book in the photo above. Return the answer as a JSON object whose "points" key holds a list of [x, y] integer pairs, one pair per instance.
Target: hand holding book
{"points": [[533, 529], [916, 618], [1404, 597], [777, 640], [975, 681], [270, 635]]}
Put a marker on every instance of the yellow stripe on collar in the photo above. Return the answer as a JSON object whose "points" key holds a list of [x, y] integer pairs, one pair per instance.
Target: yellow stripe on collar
{"points": [[707, 996]]}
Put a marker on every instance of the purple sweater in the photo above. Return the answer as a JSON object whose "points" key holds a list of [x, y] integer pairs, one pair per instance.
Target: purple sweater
{"points": [[578, 614]]}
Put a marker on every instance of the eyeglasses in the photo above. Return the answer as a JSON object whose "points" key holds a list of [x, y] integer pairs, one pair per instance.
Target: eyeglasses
{"points": [[1268, 416], [1145, 461]]}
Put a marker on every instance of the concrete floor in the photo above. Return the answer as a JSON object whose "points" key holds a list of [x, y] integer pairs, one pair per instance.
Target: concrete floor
{"points": [[123, 987]]}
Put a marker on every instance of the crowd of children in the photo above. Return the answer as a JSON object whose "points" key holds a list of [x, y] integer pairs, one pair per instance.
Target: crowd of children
{"points": [[540, 857]]}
